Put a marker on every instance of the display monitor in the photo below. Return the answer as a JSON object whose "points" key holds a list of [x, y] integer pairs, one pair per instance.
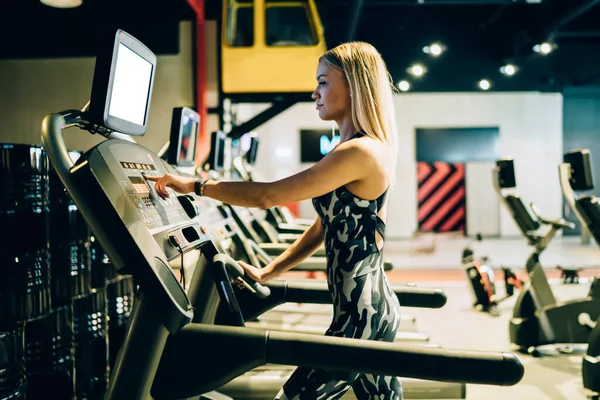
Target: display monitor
{"points": [[122, 85], [252, 150], [185, 124], [582, 175], [506, 173], [216, 158]]}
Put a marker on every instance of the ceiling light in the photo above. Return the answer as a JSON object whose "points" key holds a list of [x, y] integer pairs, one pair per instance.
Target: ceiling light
{"points": [[543, 48], [62, 3], [403, 86], [417, 70], [508, 69], [484, 84], [434, 49]]}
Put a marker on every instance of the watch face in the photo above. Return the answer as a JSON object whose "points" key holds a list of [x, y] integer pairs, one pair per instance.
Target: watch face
{"points": [[197, 187]]}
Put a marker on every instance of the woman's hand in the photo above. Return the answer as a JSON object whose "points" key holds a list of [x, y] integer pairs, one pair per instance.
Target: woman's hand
{"points": [[179, 184], [256, 274]]}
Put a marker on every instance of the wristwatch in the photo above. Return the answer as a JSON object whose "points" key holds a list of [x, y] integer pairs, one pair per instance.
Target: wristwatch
{"points": [[199, 187]]}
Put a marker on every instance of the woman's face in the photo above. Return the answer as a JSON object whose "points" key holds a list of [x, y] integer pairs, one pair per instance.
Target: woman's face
{"points": [[332, 93]]}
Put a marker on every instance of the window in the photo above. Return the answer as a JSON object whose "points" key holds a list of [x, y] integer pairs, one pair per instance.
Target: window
{"points": [[240, 23], [289, 24]]}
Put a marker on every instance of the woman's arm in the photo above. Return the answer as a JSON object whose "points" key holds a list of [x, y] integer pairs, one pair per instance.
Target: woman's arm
{"points": [[349, 162], [302, 248]]}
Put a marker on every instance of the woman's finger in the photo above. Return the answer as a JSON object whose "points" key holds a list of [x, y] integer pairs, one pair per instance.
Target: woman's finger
{"points": [[153, 178], [160, 191], [239, 283], [157, 188], [163, 183]]}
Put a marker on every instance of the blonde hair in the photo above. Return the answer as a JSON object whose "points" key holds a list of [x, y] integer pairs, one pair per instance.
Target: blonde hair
{"points": [[372, 91]]}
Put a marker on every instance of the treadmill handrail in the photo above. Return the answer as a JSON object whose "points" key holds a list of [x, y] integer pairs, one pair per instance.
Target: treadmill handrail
{"points": [[317, 292], [253, 347], [414, 296], [236, 271]]}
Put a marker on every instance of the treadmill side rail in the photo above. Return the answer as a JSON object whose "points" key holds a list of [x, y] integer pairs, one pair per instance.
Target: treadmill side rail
{"points": [[249, 348]]}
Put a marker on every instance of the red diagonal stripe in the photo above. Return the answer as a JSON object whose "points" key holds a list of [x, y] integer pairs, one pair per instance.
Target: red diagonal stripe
{"points": [[453, 220], [442, 170], [443, 209], [423, 169], [442, 191]]}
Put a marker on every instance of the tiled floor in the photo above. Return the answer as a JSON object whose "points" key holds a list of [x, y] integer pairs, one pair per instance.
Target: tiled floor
{"points": [[417, 261], [555, 376], [444, 252]]}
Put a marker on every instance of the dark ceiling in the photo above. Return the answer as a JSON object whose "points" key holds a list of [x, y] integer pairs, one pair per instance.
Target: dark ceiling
{"points": [[480, 35]]}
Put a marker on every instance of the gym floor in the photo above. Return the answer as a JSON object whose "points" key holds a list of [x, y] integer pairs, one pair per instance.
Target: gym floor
{"points": [[556, 375]]}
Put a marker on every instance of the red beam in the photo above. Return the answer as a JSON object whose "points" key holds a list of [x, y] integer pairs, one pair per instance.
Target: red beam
{"points": [[202, 148]]}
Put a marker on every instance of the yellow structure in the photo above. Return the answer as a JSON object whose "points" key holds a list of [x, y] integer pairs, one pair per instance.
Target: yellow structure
{"points": [[270, 46]]}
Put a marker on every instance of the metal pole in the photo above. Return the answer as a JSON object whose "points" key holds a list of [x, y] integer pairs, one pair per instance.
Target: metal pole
{"points": [[139, 356]]}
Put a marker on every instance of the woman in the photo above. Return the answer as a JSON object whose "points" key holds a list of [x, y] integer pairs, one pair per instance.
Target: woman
{"points": [[348, 189]]}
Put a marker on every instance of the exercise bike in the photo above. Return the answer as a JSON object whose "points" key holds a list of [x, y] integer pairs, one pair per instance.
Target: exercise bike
{"points": [[576, 175], [539, 318], [481, 277]]}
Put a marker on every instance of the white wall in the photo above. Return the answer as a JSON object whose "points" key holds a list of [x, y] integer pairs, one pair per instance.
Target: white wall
{"points": [[530, 127], [483, 204], [32, 88]]}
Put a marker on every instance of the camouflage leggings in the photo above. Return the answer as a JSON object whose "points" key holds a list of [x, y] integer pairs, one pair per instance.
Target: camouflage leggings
{"points": [[365, 308]]}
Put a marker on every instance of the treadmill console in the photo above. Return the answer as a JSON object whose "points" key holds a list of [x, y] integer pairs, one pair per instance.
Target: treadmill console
{"points": [[135, 197]]}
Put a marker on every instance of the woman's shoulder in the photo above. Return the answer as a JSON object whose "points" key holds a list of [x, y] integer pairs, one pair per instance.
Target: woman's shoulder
{"points": [[367, 145]]}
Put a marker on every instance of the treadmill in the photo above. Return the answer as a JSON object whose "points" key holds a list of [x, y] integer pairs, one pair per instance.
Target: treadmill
{"points": [[142, 233]]}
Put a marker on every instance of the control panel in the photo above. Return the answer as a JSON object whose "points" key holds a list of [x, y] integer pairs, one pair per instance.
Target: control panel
{"points": [[122, 173], [154, 211]]}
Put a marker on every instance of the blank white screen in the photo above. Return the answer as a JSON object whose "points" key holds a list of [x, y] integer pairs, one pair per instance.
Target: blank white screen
{"points": [[131, 86]]}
